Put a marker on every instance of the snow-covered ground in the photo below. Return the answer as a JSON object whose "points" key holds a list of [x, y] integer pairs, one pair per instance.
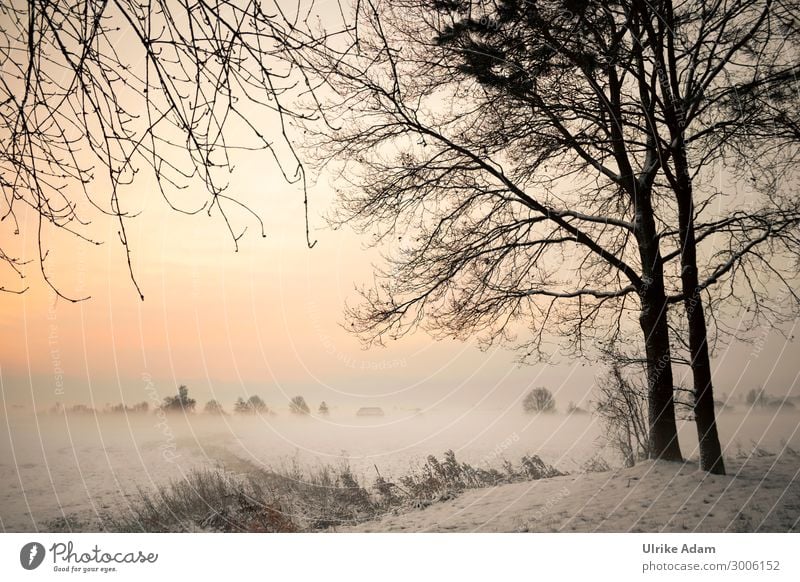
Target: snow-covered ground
{"points": [[760, 493], [82, 465], [51, 468]]}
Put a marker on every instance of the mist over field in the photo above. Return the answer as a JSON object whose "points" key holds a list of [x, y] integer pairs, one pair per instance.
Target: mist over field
{"points": [[84, 465], [532, 266]]}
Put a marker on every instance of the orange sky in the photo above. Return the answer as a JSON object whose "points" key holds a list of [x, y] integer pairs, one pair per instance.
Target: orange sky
{"points": [[266, 320]]}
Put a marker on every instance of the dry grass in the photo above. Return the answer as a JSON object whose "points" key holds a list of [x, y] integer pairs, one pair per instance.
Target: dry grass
{"points": [[292, 498]]}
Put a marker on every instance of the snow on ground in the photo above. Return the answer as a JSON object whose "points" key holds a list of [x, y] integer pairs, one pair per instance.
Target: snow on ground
{"points": [[760, 493], [51, 470], [52, 467]]}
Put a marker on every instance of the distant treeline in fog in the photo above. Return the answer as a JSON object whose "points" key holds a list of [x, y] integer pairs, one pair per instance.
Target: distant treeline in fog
{"points": [[183, 403], [537, 401]]}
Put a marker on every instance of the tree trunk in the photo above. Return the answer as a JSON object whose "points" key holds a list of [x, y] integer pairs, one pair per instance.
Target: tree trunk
{"points": [[704, 413], [653, 321], [661, 403], [681, 182]]}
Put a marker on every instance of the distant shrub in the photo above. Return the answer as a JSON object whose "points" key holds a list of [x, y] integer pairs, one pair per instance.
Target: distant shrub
{"points": [[240, 406], [138, 408], [323, 409], [297, 405], [257, 405], [596, 464], [573, 408], [758, 398], [214, 407], [253, 405], [684, 403], [720, 405], [539, 400], [179, 403]]}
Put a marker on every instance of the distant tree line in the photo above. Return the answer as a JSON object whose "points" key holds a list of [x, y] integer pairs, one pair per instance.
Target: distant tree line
{"points": [[182, 402], [758, 398]]}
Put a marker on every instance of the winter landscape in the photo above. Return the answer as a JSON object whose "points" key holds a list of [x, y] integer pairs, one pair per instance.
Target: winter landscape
{"points": [[399, 266], [84, 472]]}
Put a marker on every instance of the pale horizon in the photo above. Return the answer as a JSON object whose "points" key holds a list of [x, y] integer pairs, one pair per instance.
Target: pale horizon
{"points": [[269, 320]]}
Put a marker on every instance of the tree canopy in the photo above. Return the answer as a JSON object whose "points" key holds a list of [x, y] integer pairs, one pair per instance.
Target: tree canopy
{"points": [[95, 93]]}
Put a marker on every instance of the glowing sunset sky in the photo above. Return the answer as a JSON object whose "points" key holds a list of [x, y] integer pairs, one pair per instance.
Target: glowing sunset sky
{"points": [[266, 320]]}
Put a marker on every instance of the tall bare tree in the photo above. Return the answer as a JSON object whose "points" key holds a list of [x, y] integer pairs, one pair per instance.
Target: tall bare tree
{"points": [[488, 138], [93, 91], [498, 158], [708, 74]]}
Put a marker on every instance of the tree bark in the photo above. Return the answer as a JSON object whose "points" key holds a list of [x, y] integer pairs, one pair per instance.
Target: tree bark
{"points": [[704, 413], [705, 416], [661, 404], [663, 438]]}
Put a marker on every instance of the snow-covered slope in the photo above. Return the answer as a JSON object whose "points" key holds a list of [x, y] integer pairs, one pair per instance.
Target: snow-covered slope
{"points": [[760, 493]]}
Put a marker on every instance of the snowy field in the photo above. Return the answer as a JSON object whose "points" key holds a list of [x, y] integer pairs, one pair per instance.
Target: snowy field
{"points": [[85, 465], [760, 493]]}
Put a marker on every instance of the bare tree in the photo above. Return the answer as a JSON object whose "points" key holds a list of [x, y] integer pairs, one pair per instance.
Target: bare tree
{"points": [[619, 114], [215, 408], [298, 405], [241, 406], [253, 405], [620, 403], [622, 408], [95, 91], [706, 72], [539, 400], [499, 163], [256, 405]]}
